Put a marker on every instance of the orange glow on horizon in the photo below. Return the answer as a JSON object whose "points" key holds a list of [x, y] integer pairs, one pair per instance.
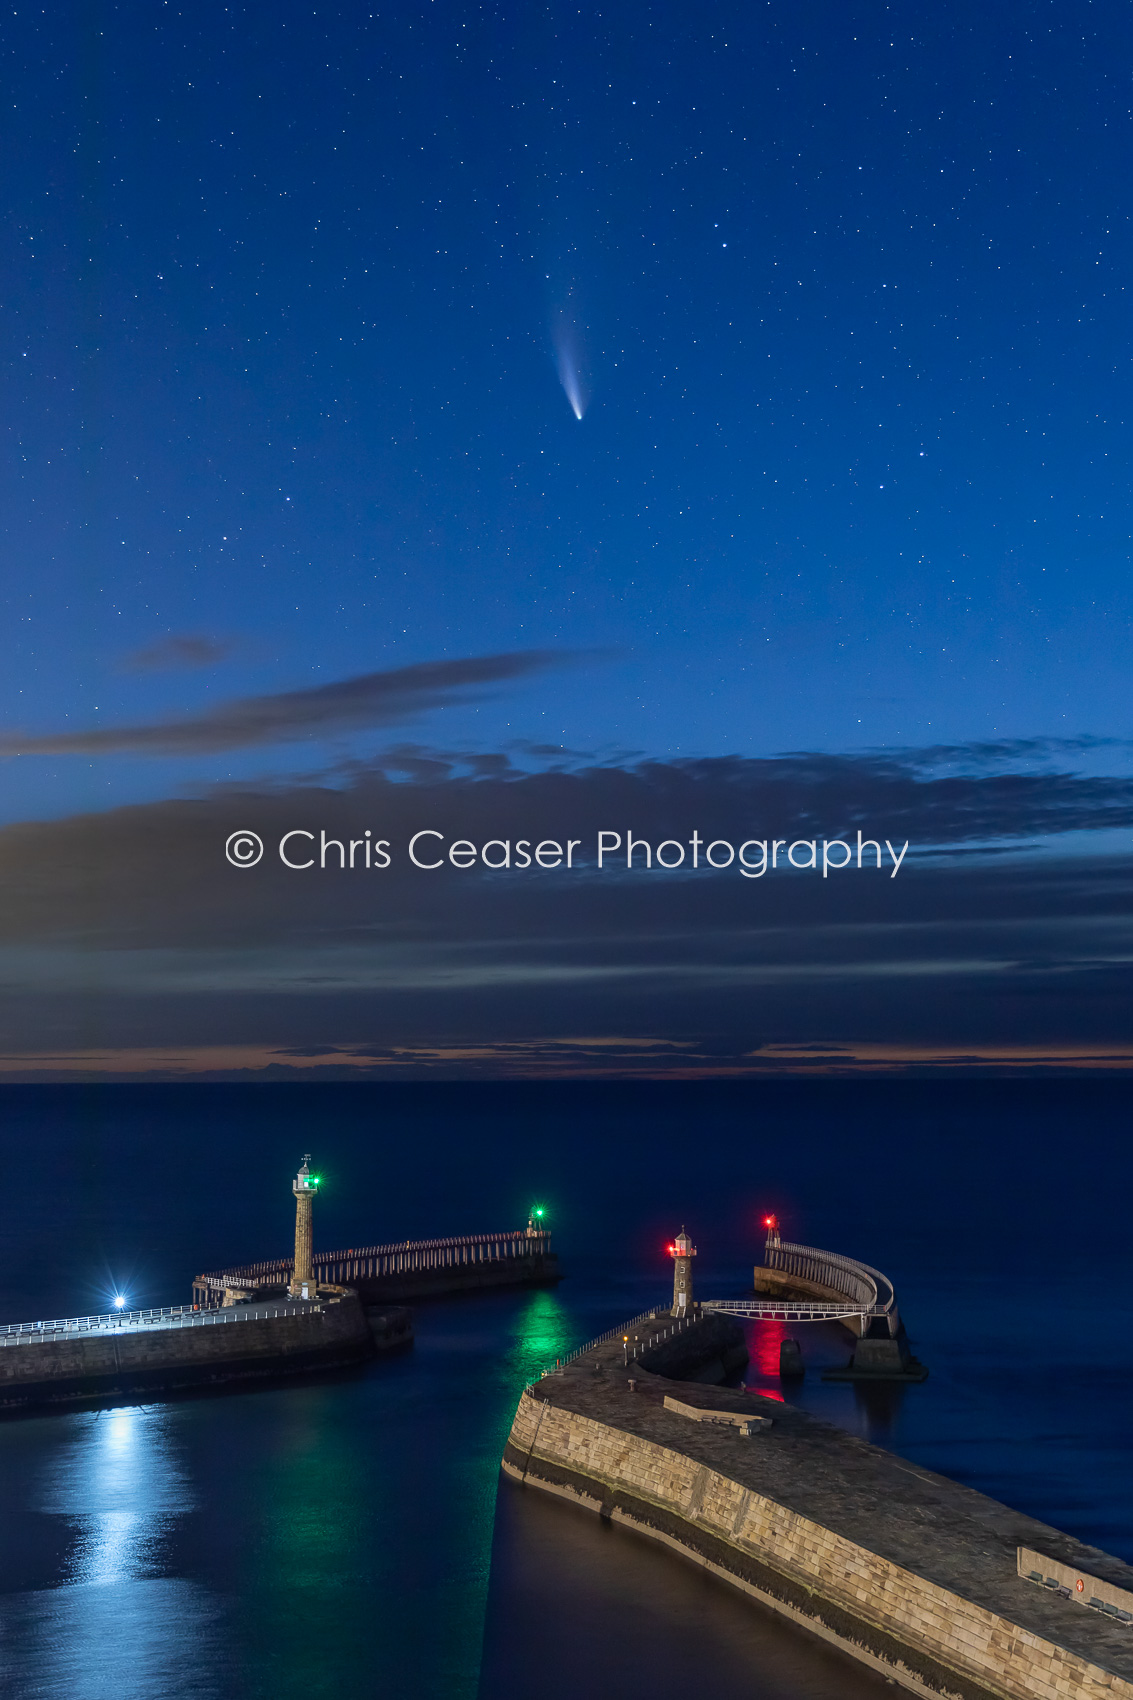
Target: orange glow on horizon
{"points": [[560, 1057]]}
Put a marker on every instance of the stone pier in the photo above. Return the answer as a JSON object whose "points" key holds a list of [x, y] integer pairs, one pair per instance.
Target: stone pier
{"points": [[912, 1574]]}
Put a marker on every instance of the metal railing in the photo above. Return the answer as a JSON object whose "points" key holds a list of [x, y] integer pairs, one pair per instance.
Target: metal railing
{"points": [[133, 1321], [869, 1291], [610, 1334], [779, 1310], [111, 1319], [679, 1325], [370, 1262], [636, 1348]]}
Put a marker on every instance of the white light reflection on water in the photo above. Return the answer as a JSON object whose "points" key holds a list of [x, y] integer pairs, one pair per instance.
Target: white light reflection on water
{"points": [[121, 1487], [142, 1640], [113, 1627]]}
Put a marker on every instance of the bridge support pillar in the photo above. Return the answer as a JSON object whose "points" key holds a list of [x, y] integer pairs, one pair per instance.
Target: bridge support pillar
{"points": [[880, 1356], [877, 1356]]}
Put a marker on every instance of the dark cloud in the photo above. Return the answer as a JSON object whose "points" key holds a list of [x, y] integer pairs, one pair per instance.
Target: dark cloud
{"points": [[370, 699], [130, 929], [993, 752], [177, 651]]}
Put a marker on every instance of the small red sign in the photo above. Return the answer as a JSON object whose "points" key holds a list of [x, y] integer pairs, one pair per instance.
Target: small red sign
{"points": [[1079, 1586]]}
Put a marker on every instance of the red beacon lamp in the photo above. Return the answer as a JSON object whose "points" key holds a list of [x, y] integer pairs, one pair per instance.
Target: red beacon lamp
{"points": [[682, 1251]]}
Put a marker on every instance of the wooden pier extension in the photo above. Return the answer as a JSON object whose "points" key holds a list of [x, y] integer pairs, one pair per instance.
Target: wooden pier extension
{"points": [[393, 1273]]}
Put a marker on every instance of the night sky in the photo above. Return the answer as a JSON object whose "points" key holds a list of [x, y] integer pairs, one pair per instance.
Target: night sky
{"points": [[566, 415]]}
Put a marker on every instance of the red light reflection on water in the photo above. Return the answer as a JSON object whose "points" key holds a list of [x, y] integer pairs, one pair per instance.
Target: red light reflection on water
{"points": [[762, 1373]]}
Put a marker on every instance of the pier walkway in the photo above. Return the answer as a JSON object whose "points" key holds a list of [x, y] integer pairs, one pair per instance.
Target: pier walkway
{"points": [[119, 1322], [127, 1355]]}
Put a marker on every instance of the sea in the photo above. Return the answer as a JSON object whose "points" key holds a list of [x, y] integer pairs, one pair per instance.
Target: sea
{"points": [[350, 1536]]}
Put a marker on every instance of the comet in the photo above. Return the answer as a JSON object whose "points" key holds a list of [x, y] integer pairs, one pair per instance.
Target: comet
{"points": [[570, 361]]}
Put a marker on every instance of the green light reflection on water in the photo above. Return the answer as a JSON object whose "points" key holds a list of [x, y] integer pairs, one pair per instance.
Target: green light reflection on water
{"points": [[375, 1507], [544, 1332], [314, 1486]]}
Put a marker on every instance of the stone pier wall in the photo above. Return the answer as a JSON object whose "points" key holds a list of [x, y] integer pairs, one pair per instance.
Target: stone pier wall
{"points": [[777, 1284], [928, 1638], [52, 1372]]}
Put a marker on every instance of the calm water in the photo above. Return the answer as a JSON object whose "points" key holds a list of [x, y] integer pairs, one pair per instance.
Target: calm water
{"points": [[340, 1537]]}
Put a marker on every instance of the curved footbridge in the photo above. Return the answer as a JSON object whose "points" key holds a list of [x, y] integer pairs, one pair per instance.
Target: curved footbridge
{"points": [[942, 1590], [823, 1286]]}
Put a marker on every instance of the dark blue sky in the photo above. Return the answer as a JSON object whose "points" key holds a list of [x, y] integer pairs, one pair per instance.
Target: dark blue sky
{"points": [[279, 303]]}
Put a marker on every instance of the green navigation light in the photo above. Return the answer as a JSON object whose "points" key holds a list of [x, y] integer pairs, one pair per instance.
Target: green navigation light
{"points": [[538, 1211]]}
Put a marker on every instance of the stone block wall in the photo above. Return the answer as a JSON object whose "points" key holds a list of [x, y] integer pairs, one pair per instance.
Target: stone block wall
{"points": [[930, 1639], [50, 1370]]}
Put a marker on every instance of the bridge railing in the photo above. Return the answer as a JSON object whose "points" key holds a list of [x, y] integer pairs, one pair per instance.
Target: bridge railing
{"points": [[169, 1316], [788, 1310], [870, 1292], [866, 1288], [339, 1268]]}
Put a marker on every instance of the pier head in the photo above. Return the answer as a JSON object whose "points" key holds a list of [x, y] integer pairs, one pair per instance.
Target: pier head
{"points": [[839, 1289]]}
